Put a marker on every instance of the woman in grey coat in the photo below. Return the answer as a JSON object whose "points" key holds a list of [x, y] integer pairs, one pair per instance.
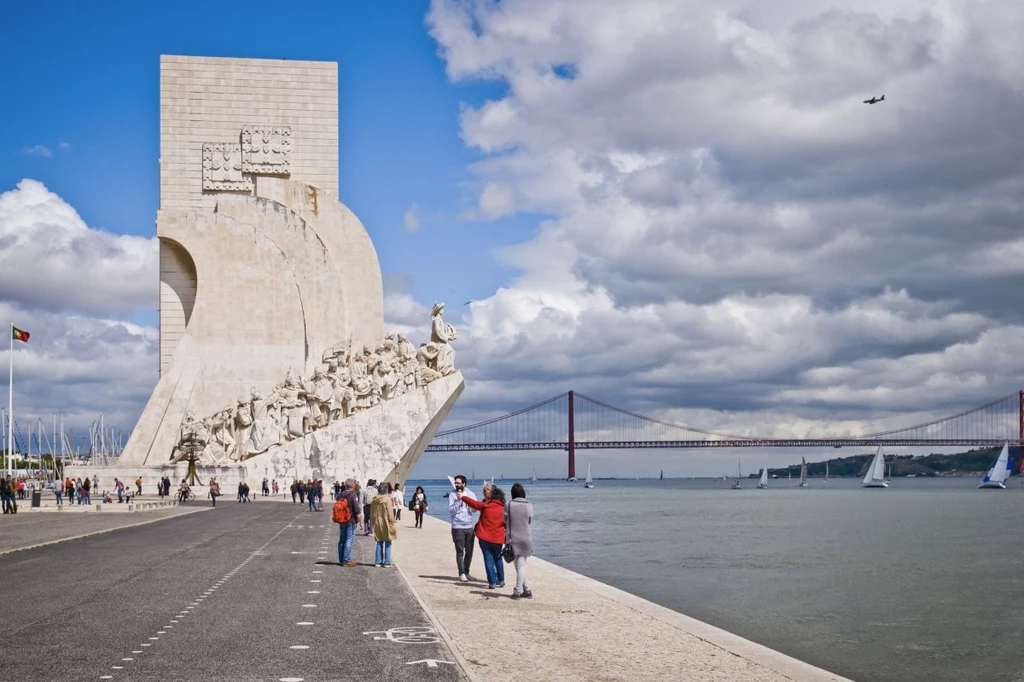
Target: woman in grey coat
{"points": [[518, 515]]}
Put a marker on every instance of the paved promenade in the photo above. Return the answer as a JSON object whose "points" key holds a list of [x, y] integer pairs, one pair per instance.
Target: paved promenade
{"points": [[254, 592], [574, 628], [240, 592]]}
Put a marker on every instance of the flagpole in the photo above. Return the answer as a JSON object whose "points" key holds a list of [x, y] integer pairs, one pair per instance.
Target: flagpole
{"points": [[10, 409]]}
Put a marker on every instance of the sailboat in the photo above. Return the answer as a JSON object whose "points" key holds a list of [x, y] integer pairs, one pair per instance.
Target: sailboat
{"points": [[803, 472], [533, 477], [763, 483], [472, 477], [1000, 471], [661, 479], [736, 485], [590, 479], [875, 477], [826, 470]]}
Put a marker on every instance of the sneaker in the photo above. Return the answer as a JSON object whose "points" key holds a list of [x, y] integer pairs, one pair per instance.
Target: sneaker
{"points": [[527, 594], [469, 577], [387, 565], [516, 595], [463, 578], [376, 565], [491, 587], [501, 584], [350, 563]]}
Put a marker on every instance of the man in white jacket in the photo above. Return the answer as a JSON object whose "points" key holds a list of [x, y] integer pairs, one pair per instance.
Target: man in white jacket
{"points": [[463, 526]]}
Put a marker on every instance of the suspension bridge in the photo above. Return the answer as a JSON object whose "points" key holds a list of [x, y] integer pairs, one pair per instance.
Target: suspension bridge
{"points": [[571, 421]]}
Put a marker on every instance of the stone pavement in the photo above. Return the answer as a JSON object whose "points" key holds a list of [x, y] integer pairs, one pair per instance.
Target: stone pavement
{"points": [[239, 592], [25, 529], [574, 628]]}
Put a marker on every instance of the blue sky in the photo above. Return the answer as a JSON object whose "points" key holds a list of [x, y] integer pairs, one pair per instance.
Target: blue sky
{"points": [[690, 214], [86, 75]]}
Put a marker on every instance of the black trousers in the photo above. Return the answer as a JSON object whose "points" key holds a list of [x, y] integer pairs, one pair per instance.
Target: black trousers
{"points": [[463, 539]]}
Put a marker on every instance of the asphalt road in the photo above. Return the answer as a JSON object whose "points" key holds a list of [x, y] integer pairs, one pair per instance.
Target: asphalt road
{"points": [[242, 592]]}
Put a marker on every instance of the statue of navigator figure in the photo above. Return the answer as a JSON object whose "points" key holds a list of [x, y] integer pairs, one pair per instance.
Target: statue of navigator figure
{"points": [[441, 334]]}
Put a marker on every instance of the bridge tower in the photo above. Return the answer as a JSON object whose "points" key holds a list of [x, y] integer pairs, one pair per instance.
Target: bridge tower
{"points": [[572, 432], [1020, 412]]}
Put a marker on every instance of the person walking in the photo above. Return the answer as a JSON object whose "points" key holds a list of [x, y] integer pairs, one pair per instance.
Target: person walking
{"points": [[462, 526], [518, 516], [398, 497], [368, 495], [58, 490], [418, 505], [265, 490], [277, 488], [214, 490], [138, 485], [490, 531], [347, 529], [384, 528]]}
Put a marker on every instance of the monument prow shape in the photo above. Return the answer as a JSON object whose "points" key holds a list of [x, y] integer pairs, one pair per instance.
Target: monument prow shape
{"points": [[274, 361]]}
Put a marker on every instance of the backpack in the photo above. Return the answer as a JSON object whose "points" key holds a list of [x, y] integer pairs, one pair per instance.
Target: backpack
{"points": [[342, 512]]}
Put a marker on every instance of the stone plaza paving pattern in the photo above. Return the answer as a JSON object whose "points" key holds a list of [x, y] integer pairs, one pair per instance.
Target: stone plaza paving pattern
{"points": [[240, 592]]}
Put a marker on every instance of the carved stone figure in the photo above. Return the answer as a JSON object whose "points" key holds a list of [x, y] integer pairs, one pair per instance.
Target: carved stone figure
{"points": [[442, 334], [222, 442], [294, 409], [427, 359], [408, 367], [319, 392], [264, 432], [192, 431], [361, 386], [341, 395]]}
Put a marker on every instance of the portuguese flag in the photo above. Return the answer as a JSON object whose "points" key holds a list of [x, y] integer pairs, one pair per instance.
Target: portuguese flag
{"points": [[19, 334]]}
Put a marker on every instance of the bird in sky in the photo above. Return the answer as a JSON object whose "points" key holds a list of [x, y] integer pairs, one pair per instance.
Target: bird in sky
{"points": [[875, 100]]}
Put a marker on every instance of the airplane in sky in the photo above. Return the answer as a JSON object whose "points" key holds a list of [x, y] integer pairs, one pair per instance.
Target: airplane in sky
{"points": [[875, 100]]}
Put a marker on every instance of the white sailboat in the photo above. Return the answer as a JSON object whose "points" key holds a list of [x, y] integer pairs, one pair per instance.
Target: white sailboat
{"points": [[737, 485], [533, 477], [803, 472], [763, 483], [875, 477], [1000, 471], [661, 478], [590, 479], [826, 470]]}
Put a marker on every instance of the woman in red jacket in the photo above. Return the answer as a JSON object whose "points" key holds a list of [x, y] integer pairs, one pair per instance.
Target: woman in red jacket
{"points": [[491, 532]]}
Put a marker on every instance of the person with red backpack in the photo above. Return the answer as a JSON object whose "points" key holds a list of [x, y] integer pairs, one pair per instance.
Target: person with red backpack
{"points": [[347, 513]]}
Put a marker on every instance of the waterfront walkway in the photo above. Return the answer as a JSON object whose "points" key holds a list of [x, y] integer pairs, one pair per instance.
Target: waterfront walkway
{"points": [[254, 592], [574, 628]]}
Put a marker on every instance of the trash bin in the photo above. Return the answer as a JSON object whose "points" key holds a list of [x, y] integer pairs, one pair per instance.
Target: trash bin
{"points": [[37, 498]]}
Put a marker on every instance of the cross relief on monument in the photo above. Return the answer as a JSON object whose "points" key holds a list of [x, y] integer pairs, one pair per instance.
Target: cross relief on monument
{"points": [[261, 150]]}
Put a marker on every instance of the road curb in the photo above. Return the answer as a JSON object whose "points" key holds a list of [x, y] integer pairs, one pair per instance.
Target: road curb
{"points": [[445, 637], [100, 532]]}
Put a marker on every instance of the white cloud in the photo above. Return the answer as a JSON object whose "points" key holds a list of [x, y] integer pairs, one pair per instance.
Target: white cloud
{"points": [[38, 150], [51, 260], [733, 236], [65, 146], [411, 220]]}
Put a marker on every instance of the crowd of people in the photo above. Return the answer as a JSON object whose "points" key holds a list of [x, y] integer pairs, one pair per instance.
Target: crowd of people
{"points": [[500, 526]]}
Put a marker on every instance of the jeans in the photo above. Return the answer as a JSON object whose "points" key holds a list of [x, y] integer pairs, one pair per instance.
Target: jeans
{"points": [[463, 539], [382, 555], [493, 563], [419, 518], [520, 565], [60, 496], [312, 503], [367, 520], [346, 540]]}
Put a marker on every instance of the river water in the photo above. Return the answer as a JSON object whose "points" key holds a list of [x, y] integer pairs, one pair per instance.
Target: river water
{"points": [[920, 581]]}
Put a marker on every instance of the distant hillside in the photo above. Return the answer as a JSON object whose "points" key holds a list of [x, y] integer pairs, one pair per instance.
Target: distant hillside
{"points": [[971, 463]]}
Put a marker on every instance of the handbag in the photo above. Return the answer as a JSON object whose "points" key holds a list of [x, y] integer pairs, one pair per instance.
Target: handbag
{"points": [[507, 552]]}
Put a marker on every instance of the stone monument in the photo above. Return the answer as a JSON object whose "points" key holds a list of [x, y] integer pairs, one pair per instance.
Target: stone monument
{"points": [[273, 354]]}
